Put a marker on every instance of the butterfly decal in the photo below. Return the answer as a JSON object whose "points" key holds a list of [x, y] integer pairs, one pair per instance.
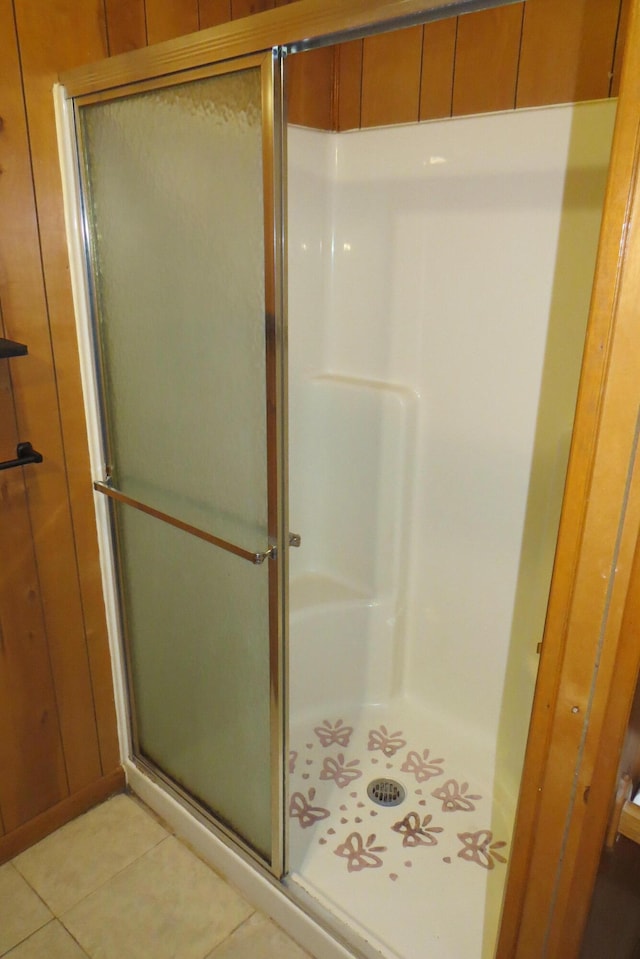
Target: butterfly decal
{"points": [[306, 814], [422, 767], [388, 743], [455, 797], [360, 853], [417, 833], [477, 847], [340, 771], [329, 734]]}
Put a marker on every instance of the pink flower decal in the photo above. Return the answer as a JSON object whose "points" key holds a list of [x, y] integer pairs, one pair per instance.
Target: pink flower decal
{"points": [[342, 772], [329, 734], [416, 833], [360, 854], [477, 847], [421, 766], [306, 814], [453, 797], [388, 743], [292, 760]]}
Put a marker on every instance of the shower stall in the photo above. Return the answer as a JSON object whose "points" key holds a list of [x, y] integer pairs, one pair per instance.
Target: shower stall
{"points": [[439, 284], [329, 475]]}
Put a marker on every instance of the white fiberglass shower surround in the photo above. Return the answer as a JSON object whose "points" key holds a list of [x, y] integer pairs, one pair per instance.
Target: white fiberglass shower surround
{"points": [[438, 284]]}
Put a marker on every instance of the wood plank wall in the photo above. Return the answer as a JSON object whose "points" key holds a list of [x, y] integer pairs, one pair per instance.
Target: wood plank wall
{"points": [[58, 748], [57, 720], [524, 55]]}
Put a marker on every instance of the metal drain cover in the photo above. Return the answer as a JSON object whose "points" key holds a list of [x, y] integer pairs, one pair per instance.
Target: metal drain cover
{"points": [[386, 792]]}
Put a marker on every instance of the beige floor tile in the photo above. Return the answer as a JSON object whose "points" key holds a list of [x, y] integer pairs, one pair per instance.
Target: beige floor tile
{"points": [[51, 942], [21, 910], [259, 938], [167, 904], [76, 859]]}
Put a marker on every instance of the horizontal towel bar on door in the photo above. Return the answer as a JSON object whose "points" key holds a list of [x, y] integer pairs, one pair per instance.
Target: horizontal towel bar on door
{"points": [[255, 558]]}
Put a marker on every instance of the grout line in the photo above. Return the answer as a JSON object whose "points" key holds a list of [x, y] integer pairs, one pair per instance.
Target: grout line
{"points": [[109, 879], [95, 888], [60, 918], [212, 954], [78, 944], [26, 938], [33, 890]]}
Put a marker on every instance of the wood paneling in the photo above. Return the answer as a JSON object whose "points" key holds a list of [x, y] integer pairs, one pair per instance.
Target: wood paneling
{"points": [[126, 25], [27, 696], [51, 397], [541, 52], [246, 8], [438, 58], [214, 12], [167, 19], [348, 67], [310, 86], [621, 34], [63, 812], [36, 393], [486, 65], [32, 772], [567, 50], [391, 77]]}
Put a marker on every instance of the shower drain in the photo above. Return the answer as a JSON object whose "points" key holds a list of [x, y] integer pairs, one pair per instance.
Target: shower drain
{"points": [[386, 792]]}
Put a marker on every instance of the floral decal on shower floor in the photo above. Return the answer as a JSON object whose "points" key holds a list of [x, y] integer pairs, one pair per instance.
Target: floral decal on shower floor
{"points": [[441, 817], [415, 832], [360, 853]]}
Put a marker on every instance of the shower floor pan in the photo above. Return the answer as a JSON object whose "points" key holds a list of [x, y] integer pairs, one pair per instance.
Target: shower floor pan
{"points": [[418, 878]]}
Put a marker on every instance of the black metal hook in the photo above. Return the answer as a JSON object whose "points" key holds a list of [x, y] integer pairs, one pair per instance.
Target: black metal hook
{"points": [[26, 454]]}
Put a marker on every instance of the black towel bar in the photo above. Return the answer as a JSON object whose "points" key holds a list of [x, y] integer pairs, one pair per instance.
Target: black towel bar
{"points": [[26, 454]]}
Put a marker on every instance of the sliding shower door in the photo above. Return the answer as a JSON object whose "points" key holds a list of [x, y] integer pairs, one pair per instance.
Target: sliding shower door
{"points": [[181, 193]]}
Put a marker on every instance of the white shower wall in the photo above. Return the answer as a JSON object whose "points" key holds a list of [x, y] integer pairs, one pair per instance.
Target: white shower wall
{"points": [[430, 266]]}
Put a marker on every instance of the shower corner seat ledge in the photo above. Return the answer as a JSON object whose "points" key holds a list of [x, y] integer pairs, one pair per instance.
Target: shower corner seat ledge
{"points": [[316, 589]]}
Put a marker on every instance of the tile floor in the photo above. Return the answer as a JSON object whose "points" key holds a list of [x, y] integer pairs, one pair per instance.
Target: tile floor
{"points": [[114, 884]]}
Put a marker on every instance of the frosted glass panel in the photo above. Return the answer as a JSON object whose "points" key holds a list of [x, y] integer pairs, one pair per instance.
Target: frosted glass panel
{"points": [[173, 185], [175, 201], [200, 668]]}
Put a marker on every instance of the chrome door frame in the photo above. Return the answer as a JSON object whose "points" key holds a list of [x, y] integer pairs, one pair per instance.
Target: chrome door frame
{"points": [[276, 550]]}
